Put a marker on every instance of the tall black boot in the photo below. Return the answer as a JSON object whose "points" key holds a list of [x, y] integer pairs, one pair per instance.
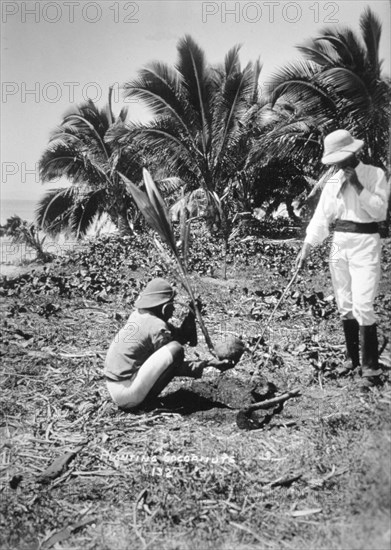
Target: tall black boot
{"points": [[352, 361], [369, 356]]}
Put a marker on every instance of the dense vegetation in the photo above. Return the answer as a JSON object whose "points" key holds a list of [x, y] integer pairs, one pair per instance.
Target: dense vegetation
{"points": [[213, 142], [79, 473]]}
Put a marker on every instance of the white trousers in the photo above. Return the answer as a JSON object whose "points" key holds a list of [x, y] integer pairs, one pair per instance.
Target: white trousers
{"points": [[130, 393], [355, 272]]}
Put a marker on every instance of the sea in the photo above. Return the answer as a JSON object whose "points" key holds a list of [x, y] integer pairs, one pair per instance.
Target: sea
{"points": [[12, 254], [25, 208]]}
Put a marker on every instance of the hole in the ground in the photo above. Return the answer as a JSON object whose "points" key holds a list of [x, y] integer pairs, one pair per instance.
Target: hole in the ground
{"points": [[221, 393], [186, 401]]}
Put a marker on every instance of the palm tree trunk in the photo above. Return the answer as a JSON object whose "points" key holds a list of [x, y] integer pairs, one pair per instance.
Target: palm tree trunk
{"points": [[290, 210], [123, 223], [225, 254]]}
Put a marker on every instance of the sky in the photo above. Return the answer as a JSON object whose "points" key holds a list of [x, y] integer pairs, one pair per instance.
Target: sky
{"points": [[55, 54]]}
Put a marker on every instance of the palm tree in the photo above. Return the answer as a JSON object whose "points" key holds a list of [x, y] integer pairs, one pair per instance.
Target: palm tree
{"points": [[339, 84], [201, 116], [24, 232], [201, 126], [78, 152]]}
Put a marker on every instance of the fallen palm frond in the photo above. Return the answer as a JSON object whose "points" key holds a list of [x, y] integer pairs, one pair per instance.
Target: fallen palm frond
{"points": [[154, 210]]}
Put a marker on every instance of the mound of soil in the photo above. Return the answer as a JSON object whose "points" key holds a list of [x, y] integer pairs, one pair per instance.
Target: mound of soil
{"points": [[232, 392]]}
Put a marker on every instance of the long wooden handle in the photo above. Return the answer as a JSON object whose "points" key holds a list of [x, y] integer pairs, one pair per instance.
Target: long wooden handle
{"points": [[267, 325]]}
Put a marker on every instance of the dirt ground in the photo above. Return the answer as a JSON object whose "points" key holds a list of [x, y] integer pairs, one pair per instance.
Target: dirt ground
{"points": [[77, 473]]}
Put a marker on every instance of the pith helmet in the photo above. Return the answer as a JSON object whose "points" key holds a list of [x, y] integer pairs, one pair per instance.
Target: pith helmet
{"points": [[339, 145], [156, 293]]}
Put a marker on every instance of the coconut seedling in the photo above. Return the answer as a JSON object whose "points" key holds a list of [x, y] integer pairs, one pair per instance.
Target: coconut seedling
{"points": [[155, 212]]}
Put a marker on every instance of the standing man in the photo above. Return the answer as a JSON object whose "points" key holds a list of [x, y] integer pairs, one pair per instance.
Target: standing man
{"points": [[356, 198]]}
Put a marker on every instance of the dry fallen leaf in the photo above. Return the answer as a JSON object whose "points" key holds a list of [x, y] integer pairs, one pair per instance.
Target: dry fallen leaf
{"points": [[302, 513]]}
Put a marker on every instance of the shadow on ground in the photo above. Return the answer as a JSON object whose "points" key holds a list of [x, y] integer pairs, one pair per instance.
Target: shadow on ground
{"points": [[186, 401]]}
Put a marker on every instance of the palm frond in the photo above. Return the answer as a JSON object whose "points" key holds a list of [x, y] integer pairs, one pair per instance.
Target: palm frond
{"points": [[109, 109], [75, 119], [349, 84], [170, 185], [197, 81], [257, 69], [122, 134], [86, 117], [54, 209], [317, 56], [232, 61], [160, 208], [163, 135], [59, 160], [152, 217], [85, 211], [301, 138], [299, 79], [235, 101], [159, 88], [371, 30]]}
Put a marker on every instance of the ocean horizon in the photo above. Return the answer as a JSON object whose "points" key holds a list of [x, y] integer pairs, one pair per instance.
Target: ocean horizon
{"points": [[25, 208], [15, 254]]}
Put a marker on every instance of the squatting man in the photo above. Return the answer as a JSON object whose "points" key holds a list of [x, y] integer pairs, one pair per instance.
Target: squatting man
{"points": [[356, 199], [147, 353]]}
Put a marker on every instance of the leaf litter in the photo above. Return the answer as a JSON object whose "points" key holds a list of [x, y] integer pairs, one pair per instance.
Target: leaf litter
{"points": [[200, 476]]}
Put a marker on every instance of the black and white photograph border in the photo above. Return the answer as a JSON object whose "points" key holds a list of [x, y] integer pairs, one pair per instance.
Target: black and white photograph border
{"points": [[194, 273]]}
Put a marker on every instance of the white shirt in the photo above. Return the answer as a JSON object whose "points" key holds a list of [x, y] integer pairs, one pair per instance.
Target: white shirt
{"points": [[368, 206]]}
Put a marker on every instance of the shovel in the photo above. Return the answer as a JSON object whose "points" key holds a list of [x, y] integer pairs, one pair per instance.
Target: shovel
{"points": [[275, 309]]}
